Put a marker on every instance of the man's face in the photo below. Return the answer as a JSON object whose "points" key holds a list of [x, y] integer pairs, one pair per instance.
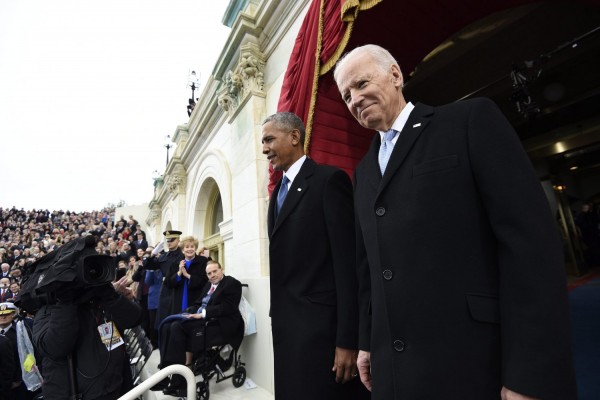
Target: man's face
{"points": [[6, 319], [279, 146], [4, 283], [372, 95], [14, 288], [172, 244], [214, 273], [5, 267]]}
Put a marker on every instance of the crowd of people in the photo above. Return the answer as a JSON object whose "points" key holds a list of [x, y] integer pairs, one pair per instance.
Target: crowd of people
{"points": [[26, 237], [173, 278]]}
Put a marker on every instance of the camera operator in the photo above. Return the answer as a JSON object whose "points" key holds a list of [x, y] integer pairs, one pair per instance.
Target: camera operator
{"points": [[79, 337]]}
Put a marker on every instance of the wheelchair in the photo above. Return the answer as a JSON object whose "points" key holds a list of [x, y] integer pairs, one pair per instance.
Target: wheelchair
{"points": [[217, 361]]}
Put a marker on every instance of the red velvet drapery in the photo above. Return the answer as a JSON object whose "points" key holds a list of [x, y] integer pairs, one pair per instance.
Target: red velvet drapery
{"points": [[320, 41]]}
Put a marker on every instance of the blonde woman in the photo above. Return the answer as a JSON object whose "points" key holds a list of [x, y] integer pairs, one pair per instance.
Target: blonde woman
{"points": [[187, 277]]}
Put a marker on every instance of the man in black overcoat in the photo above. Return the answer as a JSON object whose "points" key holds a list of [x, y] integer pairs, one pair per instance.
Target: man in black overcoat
{"points": [[461, 274], [163, 260], [314, 308]]}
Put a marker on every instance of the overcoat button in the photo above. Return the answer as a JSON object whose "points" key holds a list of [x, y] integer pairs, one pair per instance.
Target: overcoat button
{"points": [[380, 211], [399, 345], [387, 274]]}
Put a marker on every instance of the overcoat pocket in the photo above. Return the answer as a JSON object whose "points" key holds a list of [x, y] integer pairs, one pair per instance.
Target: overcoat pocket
{"points": [[484, 307], [326, 298], [435, 165]]}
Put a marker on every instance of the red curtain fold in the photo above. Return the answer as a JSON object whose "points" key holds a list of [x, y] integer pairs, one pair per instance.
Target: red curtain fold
{"points": [[319, 36]]}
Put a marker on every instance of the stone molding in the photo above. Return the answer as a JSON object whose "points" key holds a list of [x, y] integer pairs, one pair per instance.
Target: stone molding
{"points": [[245, 80]]}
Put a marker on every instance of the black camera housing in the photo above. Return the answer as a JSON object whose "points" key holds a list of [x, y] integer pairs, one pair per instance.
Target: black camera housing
{"points": [[73, 268]]}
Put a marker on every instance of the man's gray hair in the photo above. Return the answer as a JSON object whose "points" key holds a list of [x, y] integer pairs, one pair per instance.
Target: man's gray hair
{"points": [[287, 121], [382, 57]]}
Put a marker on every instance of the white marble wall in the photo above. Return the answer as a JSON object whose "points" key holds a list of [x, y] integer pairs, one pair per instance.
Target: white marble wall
{"points": [[230, 153]]}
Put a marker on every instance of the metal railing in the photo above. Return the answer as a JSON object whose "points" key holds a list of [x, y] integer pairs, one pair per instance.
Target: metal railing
{"points": [[159, 376]]}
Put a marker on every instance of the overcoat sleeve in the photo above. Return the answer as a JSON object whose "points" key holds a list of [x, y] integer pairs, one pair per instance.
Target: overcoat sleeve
{"points": [[536, 350], [339, 218]]}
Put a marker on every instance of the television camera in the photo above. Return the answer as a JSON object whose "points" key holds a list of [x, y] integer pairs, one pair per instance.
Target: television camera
{"points": [[72, 271]]}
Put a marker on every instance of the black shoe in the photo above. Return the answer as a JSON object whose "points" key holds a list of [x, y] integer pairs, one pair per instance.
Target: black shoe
{"points": [[177, 387], [178, 383], [175, 392], [162, 385]]}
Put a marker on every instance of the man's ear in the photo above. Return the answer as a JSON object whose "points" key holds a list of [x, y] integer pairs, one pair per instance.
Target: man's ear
{"points": [[295, 133], [397, 78]]}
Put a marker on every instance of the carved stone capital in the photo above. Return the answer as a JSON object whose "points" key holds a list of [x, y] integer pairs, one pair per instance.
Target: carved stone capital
{"points": [[176, 184], [246, 79], [154, 215]]}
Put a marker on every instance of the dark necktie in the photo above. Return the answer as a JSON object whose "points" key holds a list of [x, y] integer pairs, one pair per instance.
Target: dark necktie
{"points": [[283, 189], [2, 332]]}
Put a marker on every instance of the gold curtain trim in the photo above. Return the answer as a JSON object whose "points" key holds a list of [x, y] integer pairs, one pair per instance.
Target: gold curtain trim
{"points": [[350, 10], [313, 96]]}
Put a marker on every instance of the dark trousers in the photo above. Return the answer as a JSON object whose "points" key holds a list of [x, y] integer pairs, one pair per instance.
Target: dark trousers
{"points": [[178, 336], [152, 328]]}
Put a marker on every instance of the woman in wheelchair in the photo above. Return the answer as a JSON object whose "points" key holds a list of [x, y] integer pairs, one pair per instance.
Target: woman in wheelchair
{"points": [[213, 319]]}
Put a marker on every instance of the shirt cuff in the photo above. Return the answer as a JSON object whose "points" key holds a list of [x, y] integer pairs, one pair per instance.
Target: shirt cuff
{"points": [[204, 313]]}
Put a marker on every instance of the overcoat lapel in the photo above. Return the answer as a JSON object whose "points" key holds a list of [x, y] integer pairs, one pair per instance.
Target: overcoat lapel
{"points": [[297, 190], [417, 122]]}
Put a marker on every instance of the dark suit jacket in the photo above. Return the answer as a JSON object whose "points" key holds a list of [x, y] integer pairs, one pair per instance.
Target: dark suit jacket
{"points": [[313, 283], [224, 306], [8, 366], [467, 285], [7, 295], [135, 244]]}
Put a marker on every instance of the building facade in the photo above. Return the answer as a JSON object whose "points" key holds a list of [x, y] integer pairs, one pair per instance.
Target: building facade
{"points": [[215, 185]]}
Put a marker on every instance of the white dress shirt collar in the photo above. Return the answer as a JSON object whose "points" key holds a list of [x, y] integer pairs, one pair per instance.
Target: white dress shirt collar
{"points": [[294, 169], [399, 123]]}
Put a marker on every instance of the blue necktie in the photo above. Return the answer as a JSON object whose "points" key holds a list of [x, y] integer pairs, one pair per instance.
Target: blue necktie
{"points": [[283, 189], [385, 150]]}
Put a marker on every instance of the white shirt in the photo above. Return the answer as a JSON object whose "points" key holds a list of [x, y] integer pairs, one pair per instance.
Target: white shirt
{"points": [[213, 288], [399, 123], [293, 170]]}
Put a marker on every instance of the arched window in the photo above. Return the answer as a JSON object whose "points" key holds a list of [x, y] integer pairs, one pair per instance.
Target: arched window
{"points": [[217, 214]]}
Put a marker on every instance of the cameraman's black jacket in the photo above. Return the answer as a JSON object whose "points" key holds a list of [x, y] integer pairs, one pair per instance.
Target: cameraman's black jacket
{"points": [[63, 329]]}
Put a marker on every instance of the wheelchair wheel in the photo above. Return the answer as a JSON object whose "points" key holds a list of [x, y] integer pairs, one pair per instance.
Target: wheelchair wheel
{"points": [[202, 391], [239, 376]]}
